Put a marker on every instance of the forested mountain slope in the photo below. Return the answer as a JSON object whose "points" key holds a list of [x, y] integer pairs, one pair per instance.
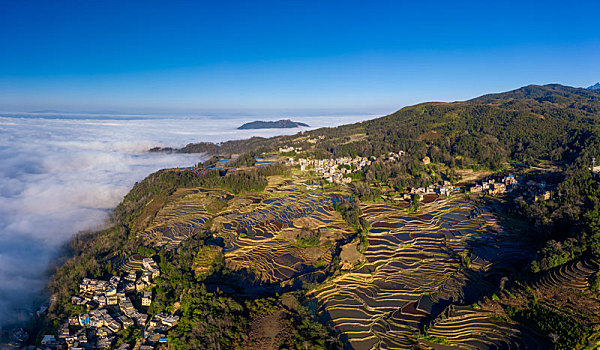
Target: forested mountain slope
{"points": [[550, 122], [533, 123]]}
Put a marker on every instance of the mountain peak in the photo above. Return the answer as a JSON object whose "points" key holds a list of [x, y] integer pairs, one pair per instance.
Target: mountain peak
{"points": [[594, 87]]}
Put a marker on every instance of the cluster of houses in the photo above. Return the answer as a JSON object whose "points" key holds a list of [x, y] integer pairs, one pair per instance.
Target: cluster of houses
{"points": [[393, 156], [537, 191], [531, 191], [110, 308], [161, 323], [494, 187], [316, 139], [287, 149], [444, 190], [333, 170], [489, 186]]}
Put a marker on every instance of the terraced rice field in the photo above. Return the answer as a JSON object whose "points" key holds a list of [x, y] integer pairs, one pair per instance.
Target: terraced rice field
{"points": [[263, 242], [260, 231], [132, 263], [467, 328], [414, 269], [450, 252], [179, 220], [575, 275]]}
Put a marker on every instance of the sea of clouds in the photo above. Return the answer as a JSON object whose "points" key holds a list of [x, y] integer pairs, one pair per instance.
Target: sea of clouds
{"points": [[62, 175]]}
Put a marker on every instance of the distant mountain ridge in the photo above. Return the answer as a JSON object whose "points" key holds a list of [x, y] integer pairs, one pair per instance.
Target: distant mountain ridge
{"points": [[279, 124], [594, 87]]}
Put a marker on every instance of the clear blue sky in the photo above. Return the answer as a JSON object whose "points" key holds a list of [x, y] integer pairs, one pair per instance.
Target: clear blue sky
{"points": [[366, 56]]}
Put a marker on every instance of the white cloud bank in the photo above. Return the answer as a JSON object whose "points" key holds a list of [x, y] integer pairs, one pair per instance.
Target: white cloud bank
{"points": [[61, 176]]}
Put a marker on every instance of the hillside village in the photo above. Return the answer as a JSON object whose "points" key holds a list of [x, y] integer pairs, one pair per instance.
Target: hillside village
{"points": [[111, 306], [530, 191], [494, 187], [340, 171], [332, 170], [336, 170]]}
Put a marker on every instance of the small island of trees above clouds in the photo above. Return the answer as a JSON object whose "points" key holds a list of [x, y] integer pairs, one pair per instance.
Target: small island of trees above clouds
{"points": [[279, 124]]}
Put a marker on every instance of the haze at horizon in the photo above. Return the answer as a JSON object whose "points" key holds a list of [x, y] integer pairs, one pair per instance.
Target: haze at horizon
{"points": [[299, 58]]}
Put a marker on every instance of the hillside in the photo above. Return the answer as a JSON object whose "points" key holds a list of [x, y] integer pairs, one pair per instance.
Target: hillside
{"points": [[361, 236], [529, 125]]}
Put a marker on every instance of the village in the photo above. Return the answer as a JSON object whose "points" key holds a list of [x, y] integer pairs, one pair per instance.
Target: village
{"points": [[339, 171], [110, 307], [332, 170], [336, 170], [530, 191], [494, 187]]}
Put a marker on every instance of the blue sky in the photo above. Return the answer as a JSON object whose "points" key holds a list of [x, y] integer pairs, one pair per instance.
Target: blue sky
{"points": [[303, 56]]}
